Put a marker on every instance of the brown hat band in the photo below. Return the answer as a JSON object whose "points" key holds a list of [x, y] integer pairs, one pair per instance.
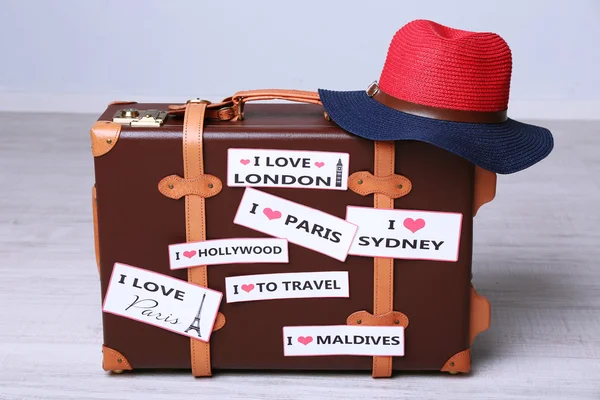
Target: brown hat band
{"points": [[445, 114]]}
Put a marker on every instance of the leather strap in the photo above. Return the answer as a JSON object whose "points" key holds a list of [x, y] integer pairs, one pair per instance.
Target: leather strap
{"points": [[364, 183], [302, 96], [383, 280], [222, 111], [195, 222], [392, 318], [175, 187], [446, 114], [96, 236], [232, 108]]}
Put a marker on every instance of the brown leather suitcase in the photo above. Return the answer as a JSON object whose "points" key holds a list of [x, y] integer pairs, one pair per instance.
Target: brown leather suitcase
{"points": [[135, 222]]}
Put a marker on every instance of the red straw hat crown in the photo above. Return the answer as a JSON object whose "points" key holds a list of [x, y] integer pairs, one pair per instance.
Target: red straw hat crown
{"points": [[433, 65]]}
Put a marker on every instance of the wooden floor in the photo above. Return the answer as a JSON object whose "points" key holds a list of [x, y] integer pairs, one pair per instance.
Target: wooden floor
{"points": [[536, 257]]}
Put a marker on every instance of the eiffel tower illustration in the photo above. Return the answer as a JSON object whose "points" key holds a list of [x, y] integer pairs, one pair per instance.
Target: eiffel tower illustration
{"points": [[195, 326]]}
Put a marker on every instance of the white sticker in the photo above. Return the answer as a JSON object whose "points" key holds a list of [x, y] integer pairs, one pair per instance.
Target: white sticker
{"points": [[300, 285], [295, 222], [409, 234], [162, 301], [228, 251], [287, 168], [337, 340]]}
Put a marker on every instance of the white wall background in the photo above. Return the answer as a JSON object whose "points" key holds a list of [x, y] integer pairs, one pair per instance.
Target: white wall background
{"points": [[76, 55]]}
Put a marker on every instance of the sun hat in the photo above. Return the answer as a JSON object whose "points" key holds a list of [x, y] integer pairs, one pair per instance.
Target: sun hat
{"points": [[449, 88]]}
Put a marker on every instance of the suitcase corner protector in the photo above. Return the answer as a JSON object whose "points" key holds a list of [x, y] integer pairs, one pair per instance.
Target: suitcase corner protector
{"points": [[114, 361]]}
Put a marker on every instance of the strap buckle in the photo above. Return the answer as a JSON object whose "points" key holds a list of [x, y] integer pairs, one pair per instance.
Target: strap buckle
{"points": [[198, 100], [240, 109], [372, 89]]}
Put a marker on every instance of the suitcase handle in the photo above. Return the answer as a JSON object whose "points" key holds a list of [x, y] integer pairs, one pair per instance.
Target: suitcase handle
{"points": [[232, 108], [300, 96]]}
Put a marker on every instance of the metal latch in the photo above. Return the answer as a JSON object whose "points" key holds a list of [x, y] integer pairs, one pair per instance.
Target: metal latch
{"points": [[143, 118]]}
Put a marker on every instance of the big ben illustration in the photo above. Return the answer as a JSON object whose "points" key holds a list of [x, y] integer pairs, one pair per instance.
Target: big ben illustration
{"points": [[338, 173]]}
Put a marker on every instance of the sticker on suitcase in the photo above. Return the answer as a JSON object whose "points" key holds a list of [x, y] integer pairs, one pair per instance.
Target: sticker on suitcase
{"points": [[299, 285], [299, 224], [162, 301], [338, 340], [407, 234], [228, 251], [287, 168]]}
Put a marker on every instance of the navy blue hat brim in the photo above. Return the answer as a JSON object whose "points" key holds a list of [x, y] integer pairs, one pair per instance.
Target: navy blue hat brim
{"points": [[503, 148]]}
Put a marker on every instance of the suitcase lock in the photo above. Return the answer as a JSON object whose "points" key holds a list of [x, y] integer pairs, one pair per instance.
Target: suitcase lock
{"points": [[142, 118]]}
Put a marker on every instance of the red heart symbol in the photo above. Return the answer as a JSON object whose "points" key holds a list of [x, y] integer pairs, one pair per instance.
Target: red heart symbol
{"points": [[248, 288], [271, 214], [245, 161], [413, 225], [189, 254], [319, 164], [305, 339]]}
